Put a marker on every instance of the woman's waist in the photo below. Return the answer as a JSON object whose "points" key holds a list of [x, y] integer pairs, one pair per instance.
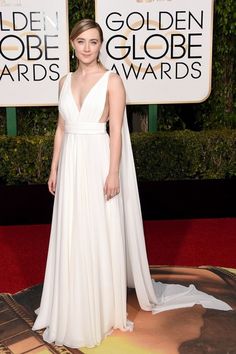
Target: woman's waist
{"points": [[85, 128]]}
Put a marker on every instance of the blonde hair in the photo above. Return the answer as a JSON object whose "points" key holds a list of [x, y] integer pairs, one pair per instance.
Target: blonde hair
{"points": [[84, 25]]}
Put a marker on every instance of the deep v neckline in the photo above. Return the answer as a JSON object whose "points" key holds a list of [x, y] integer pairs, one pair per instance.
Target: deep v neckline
{"points": [[79, 109]]}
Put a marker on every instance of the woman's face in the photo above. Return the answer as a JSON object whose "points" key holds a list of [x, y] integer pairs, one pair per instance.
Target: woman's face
{"points": [[87, 46]]}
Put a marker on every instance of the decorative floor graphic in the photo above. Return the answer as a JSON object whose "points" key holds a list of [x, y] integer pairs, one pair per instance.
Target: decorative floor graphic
{"points": [[182, 331]]}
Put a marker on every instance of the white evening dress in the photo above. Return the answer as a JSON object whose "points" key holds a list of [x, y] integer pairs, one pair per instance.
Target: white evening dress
{"points": [[97, 247]]}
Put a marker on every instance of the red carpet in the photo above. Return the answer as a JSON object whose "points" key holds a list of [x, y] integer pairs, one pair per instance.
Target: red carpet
{"points": [[192, 242], [170, 242]]}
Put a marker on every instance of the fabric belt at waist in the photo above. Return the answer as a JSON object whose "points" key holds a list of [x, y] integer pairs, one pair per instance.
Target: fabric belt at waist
{"points": [[85, 128]]}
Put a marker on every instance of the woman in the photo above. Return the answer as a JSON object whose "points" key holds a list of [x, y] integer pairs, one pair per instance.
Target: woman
{"points": [[97, 244]]}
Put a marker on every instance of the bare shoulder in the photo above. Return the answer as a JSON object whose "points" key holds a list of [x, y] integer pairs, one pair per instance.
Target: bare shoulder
{"points": [[62, 80], [115, 82], [115, 78]]}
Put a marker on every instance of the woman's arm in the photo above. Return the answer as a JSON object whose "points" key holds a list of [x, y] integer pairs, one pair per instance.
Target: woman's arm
{"points": [[56, 149], [56, 153], [116, 96]]}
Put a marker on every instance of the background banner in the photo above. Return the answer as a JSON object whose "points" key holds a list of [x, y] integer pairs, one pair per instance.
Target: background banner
{"points": [[161, 48], [34, 51]]}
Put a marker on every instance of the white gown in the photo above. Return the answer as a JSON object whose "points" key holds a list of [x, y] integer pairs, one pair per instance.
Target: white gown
{"points": [[97, 247]]}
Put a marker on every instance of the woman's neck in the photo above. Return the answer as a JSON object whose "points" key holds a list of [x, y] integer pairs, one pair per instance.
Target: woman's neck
{"points": [[88, 69]]}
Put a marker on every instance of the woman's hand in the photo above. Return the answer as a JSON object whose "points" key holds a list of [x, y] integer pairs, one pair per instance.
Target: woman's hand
{"points": [[112, 185], [52, 181]]}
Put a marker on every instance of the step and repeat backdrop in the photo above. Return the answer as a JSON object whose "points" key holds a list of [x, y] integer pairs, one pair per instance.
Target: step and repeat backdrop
{"points": [[161, 48], [34, 51]]}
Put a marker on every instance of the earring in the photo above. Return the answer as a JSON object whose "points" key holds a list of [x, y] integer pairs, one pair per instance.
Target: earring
{"points": [[73, 54]]}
